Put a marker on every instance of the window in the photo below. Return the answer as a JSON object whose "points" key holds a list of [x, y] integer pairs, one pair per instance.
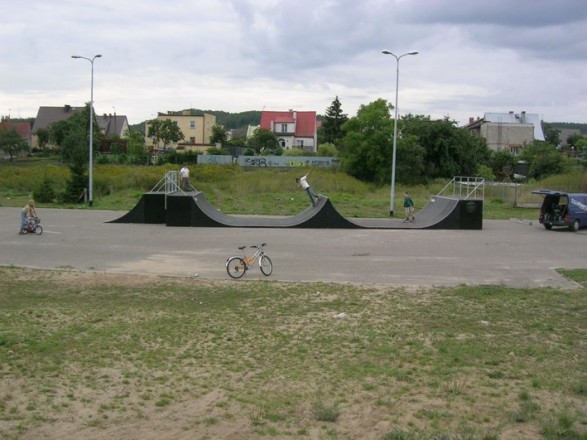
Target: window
{"points": [[284, 128], [301, 143], [192, 124], [192, 140]]}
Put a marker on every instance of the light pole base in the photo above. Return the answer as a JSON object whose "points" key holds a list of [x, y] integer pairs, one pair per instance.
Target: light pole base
{"points": [[90, 203], [391, 213]]}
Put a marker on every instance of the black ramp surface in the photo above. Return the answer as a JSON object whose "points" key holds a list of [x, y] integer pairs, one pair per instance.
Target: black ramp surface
{"points": [[193, 209], [439, 213], [149, 209], [322, 215]]}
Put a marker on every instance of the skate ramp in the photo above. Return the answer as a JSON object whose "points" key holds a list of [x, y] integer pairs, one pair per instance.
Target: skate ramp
{"points": [[193, 209], [149, 209]]}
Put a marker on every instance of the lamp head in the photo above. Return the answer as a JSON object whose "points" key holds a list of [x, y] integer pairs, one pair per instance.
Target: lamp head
{"points": [[75, 56], [100, 56]]}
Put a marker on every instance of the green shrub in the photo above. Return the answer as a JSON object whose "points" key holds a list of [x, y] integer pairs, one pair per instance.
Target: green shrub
{"points": [[45, 193]]}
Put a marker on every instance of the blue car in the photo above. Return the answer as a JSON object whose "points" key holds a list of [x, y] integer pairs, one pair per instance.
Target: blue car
{"points": [[563, 209]]}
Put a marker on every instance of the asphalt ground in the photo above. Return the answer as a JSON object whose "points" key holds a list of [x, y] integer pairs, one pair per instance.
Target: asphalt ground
{"points": [[512, 253]]}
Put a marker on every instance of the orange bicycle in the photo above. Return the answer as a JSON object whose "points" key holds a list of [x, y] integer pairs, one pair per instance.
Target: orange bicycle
{"points": [[237, 266]]}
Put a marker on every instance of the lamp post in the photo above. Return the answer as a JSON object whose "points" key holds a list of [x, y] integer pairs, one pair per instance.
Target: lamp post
{"points": [[91, 145], [392, 194]]}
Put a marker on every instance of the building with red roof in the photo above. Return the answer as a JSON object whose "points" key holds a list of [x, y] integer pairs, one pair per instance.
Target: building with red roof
{"points": [[293, 129], [22, 128]]}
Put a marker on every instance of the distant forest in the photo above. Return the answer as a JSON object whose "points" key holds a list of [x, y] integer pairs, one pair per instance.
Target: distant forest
{"points": [[569, 125]]}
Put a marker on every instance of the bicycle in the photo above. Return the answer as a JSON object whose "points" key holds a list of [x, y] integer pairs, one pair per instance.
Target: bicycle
{"points": [[237, 266], [33, 226]]}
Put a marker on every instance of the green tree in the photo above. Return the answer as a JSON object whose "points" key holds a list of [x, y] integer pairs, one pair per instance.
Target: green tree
{"points": [[165, 131], [219, 135], [263, 141], [331, 130], [72, 136], [43, 137], [135, 145], [552, 135], [502, 163], [366, 152], [11, 142], [327, 150], [545, 160], [450, 150], [409, 167]]}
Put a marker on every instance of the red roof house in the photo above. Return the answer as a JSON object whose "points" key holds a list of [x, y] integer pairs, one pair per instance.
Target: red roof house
{"points": [[22, 128], [293, 129]]}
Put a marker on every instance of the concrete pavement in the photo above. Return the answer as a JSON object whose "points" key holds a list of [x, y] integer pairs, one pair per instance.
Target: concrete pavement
{"points": [[504, 252]]}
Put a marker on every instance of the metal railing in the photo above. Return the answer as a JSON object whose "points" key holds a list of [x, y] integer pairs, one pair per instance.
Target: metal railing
{"points": [[465, 187]]}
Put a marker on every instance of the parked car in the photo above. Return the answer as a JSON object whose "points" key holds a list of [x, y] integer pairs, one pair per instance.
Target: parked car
{"points": [[563, 209]]}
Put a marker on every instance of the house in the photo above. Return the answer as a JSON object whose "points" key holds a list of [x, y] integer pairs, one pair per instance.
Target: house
{"points": [[113, 125], [507, 131], [110, 125], [22, 128], [293, 129], [47, 116], [195, 126]]}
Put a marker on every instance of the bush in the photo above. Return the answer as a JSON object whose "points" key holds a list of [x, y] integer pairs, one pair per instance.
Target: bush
{"points": [[45, 193]]}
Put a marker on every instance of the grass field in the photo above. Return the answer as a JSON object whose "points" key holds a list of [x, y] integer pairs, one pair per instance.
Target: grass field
{"points": [[98, 356], [268, 191]]}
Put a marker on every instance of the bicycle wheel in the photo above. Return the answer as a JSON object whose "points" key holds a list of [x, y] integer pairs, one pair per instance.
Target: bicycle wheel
{"points": [[38, 229], [236, 267], [265, 265]]}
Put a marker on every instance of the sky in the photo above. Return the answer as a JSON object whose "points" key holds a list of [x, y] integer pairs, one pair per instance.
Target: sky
{"points": [[474, 56]]}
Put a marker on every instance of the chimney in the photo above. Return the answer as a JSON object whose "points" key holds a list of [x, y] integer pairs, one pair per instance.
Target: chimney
{"points": [[471, 119]]}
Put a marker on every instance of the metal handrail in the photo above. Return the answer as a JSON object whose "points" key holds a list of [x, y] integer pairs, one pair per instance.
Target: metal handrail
{"points": [[471, 187]]}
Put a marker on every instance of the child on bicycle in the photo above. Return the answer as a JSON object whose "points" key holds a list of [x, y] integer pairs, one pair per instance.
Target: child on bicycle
{"points": [[26, 214]]}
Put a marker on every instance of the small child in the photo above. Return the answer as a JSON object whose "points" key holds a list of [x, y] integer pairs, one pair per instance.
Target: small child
{"points": [[409, 208], [26, 214]]}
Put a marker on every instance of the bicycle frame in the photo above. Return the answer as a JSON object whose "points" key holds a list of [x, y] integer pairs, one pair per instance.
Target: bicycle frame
{"points": [[238, 265]]}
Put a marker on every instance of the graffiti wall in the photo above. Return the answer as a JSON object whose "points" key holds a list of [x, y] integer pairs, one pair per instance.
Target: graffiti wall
{"points": [[270, 161]]}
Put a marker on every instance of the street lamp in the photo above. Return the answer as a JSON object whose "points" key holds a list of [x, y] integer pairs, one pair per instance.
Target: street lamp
{"points": [[392, 195], [90, 166]]}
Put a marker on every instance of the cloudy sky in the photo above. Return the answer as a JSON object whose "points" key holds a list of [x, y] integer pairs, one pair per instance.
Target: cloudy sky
{"points": [[475, 56]]}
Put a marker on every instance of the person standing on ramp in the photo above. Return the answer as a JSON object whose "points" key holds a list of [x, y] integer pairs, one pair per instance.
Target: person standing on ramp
{"points": [[185, 177]]}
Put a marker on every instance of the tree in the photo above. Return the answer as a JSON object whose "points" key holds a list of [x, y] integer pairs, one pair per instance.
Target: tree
{"points": [[43, 137], [72, 136], [166, 131], [263, 140], [219, 135], [502, 163], [450, 150], [366, 152], [327, 150], [331, 130], [544, 159], [11, 142], [552, 135]]}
